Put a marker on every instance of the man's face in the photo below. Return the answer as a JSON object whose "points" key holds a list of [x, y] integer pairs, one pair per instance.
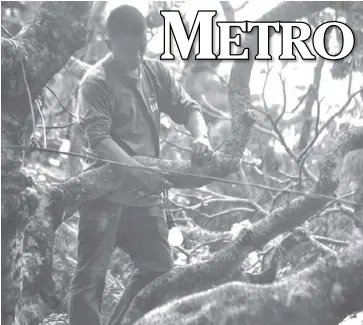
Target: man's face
{"points": [[128, 50]]}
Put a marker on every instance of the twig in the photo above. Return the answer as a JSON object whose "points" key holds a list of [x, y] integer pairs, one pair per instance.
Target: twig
{"points": [[264, 87], [60, 103], [264, 130], [344, 209], [330, 240], [222, 213], [264, 172], [284, 94], [318, 102], [192, 251], [6, 31], [208, 191], [300, 101], [185, 252], [237, 200], [279, 181], [279, 194], [317, 244], [43, 124], [292, 177], [58, 127]]}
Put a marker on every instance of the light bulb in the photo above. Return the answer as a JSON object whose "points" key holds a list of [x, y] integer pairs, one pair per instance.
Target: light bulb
{"points": [[175, 237], [66, 145]]}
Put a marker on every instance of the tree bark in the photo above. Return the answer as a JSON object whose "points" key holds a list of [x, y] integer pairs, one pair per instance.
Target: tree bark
{"points": [[28, 61], [321, 295], [44, 46]]}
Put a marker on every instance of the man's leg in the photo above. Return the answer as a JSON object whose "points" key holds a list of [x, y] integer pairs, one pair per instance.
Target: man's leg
{"points": [[144, 236], [97, 235]]}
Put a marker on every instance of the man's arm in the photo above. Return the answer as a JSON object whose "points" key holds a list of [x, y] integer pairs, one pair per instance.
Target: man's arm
{"points": [[94, 114], [196, 125], [174, 100], [182, 109]]}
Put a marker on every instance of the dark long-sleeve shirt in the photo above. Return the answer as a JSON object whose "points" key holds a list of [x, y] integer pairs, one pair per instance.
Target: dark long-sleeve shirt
{"points": [[127, 109]]}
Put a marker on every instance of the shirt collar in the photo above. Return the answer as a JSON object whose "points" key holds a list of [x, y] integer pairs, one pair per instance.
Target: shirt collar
{"points": [[131, 77]]}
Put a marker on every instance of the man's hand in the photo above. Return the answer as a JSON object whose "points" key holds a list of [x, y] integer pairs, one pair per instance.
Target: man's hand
{"points": [[153, 181], [201, 150]]}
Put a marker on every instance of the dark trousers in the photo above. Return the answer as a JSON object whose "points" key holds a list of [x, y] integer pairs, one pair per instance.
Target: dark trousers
{"points": [[140, 232]]}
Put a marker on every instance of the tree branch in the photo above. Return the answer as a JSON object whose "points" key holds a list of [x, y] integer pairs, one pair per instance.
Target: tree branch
{"points": [[322, 294], [44, 46]]}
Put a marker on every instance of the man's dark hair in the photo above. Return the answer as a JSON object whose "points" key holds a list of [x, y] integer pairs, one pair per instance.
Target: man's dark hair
{"points": [[126, 19]]}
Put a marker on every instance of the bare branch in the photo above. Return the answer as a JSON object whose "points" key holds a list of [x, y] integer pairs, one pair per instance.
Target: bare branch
{"points": [[224, 212], [313, 93], [60, 103], [284, 102]]}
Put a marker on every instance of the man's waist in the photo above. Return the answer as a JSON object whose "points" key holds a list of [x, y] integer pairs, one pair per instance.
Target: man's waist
{"points": [[122, 197], [126, 194]]}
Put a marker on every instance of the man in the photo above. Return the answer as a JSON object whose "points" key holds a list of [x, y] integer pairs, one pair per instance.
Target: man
{"points": [[120, 100]]}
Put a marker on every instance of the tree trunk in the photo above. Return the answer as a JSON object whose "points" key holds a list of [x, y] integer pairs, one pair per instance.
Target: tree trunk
{"points": [[28, 61]]}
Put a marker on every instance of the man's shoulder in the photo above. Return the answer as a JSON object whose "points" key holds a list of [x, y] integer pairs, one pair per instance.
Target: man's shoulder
{"points": [[160, 69], [156, 64], [151, 62], [96, 74]]}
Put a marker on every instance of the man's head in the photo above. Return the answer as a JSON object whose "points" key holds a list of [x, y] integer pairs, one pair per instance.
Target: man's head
{"points": [[127, 37]]}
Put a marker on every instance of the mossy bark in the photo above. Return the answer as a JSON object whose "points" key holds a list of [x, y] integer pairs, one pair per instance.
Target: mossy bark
{"points": [[34, 55]]}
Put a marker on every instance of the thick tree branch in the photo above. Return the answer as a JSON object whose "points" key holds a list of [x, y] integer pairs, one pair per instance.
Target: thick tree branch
{"points": [[44, 46], [95, 183], [323, 294]]}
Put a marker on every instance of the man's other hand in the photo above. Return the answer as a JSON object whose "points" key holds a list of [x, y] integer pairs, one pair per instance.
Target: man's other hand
{"points": [[201, 150]]}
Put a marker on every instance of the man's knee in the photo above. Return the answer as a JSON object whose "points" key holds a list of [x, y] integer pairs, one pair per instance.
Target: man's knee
{"points": [[159, 263], [91, 279], [146, 276]]}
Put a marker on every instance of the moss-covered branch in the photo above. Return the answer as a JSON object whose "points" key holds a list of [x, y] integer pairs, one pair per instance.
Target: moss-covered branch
{"points": [[44, 46], [323, 294]]}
